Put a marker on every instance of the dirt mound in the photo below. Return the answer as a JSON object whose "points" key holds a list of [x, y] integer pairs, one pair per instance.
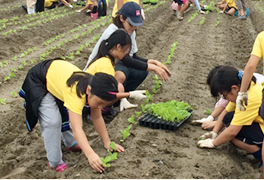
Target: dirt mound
{"points": [[149, 153]]}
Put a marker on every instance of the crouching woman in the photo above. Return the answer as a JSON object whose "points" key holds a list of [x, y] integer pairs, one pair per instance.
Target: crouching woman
{"points": [[243, 128], [53, 84]]}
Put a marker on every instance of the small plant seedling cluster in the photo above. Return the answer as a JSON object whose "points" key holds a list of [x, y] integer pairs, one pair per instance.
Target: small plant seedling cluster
{"points": [[193, 16], [208, 111], [110, 157], [173, 110], [202, 21], [125, 133]]}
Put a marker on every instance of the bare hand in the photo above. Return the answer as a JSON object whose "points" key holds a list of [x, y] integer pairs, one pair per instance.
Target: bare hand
{"points": [[95, 162], [118, 148]]}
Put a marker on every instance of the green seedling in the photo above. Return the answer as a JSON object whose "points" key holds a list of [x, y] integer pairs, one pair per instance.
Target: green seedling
{"points": [[3, 101], [14, 94], [1, 64], [125, 133], [208, 111], [154, 90], [6, 78], [14, 70], [113, 146], [149, 96], [156, 77], [131, 119], [20, 67], [32, 61], [12, 75], [202, 21], [138, 113], [24, 63]]}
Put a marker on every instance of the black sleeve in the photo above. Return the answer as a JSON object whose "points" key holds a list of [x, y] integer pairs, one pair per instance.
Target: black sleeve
{"points": [[135, 56], [135, 63]]}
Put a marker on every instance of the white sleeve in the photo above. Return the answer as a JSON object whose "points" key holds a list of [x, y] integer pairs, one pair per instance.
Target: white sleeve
{"points": [[134, 48], [111, 28]]}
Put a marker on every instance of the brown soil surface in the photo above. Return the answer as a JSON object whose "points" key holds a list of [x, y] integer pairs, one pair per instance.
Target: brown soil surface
{"points": [[199, 49]]}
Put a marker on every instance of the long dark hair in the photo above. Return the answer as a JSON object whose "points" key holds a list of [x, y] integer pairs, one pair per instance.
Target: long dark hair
{"points": [[117, 22], [224, 78], [102, 85], [120, 36]]}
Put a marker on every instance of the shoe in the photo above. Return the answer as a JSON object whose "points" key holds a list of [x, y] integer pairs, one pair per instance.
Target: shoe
{"points": [[59, 168], [201, 12], [242, 17], [179, 15], [75, 148], [109, 111]]}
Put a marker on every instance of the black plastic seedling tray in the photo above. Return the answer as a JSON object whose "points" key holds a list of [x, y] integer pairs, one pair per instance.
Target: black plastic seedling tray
{"points": [[148, 120]]}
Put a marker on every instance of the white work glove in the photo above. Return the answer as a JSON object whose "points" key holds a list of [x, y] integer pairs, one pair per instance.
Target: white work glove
{"points": [[74, 0], [221, 12], [208, 135], [142, 14], [137, 94], [125, 104], [241, 98], [208, 143], [78, 11], [200, 121], [70, 6]]}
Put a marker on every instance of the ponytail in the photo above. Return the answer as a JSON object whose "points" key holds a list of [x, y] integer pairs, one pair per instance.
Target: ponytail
{"points": [[120, 36], [102, 85]]}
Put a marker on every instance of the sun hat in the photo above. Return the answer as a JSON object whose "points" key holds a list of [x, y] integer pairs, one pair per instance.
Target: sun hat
{"points": [[132, 11]]}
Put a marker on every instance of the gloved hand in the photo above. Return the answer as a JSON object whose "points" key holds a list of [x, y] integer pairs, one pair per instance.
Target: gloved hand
{"points": [[208, 135], [221, 12], [74, 0], [78, 11], [200, 121], [125, 104], [142, 14], [242, 97], [70, 6], [137, 94], [208, 143]]}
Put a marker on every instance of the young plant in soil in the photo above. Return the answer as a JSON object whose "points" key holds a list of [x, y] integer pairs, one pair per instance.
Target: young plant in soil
{"points": [[125, 133], [131, 119]]}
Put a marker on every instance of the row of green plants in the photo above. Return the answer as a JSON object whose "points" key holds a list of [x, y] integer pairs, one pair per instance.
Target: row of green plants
{"points": [[39, 22], [9, 8]]}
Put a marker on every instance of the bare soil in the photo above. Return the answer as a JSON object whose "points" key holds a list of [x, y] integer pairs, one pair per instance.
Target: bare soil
{"points": [[149, 153]]}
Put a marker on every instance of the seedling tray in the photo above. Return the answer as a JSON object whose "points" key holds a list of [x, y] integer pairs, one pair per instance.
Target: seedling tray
{"points": [[151, 121]]}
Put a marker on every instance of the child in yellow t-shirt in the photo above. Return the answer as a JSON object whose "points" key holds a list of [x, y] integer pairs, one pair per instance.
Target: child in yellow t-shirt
{"points": [[228, 7], [243, 128], [119, 3]]}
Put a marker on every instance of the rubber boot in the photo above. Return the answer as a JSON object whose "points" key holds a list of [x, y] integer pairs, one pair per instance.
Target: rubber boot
{"points": [[104, 10], [100, 11]]}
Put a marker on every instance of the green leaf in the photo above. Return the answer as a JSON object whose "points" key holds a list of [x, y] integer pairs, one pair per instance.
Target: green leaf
{"points": [[131, 119], [138, 113], [113, 146]]}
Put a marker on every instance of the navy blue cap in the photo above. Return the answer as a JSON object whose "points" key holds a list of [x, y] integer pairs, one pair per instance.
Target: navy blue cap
{"points": [[132, 11]]}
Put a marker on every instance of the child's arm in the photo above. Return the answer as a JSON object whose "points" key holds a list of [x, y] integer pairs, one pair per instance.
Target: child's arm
{"points": [[77, 130], [99, 126], [225, 7]]}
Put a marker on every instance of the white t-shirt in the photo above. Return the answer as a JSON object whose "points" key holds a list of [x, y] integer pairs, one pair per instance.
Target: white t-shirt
{"points": [[111, 28]]}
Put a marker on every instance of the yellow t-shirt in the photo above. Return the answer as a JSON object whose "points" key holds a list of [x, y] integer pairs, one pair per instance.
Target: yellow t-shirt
{"points": [[103, 65], [251, 114], [48, 3], [258, 48], [115, 6], [57, 76], [231, 3]]}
